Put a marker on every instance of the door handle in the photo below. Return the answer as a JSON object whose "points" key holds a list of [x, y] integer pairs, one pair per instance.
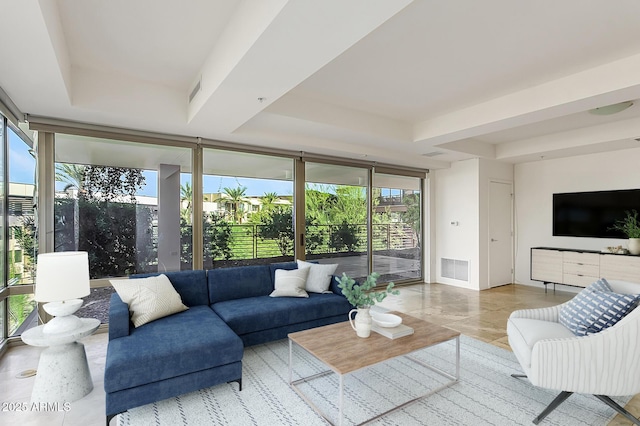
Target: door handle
{"points": [[493, 239]]}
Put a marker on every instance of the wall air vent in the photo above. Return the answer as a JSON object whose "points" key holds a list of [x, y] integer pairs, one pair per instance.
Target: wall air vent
{"points": [[455, 269], [196, 90], [432, 154]]}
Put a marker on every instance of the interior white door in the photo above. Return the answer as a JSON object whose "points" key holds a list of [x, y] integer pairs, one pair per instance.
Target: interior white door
{"points": [[500, 234]]}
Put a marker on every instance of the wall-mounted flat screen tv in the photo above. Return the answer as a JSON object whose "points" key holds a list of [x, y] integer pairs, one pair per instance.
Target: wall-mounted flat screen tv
{"points": [[592, 214]]}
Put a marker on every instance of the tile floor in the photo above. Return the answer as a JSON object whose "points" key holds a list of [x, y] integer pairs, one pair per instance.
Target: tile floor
{"points": [[481, 315]]}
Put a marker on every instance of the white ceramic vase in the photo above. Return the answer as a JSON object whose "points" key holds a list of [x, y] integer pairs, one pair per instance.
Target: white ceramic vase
{"points": [[362, 323], [634, 245]]}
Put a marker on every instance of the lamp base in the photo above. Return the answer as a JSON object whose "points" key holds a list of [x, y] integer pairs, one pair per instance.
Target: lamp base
{"points": [[64, 320]]}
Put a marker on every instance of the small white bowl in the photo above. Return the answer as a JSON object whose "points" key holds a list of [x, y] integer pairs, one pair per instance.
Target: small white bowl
{"points": [[386, 320]]}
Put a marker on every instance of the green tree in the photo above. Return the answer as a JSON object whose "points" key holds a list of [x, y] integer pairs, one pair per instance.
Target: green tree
{"points": [[351, 205], [412, 215], [279, 227], [104, 183], [269, 200], [217, 237], [24, 234], [217, 240], [105, 220], [186, 194], [72, 175], [319, 204], [235, 196], [344, 237]]}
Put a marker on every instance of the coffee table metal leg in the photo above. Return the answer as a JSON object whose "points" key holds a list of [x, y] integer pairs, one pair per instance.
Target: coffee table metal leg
{"points": [[341, 401], [457, 358], [290, 361]]}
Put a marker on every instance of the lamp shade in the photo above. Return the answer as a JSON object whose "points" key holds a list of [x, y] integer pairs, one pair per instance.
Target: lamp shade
{"points": [[62, 276]]}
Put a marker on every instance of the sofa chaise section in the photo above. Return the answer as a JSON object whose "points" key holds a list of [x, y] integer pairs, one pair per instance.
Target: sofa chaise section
{"points": [[170, 356]]}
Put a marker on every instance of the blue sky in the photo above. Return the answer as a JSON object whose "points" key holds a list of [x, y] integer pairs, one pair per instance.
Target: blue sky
{"points": [[213, 184], [22, 165], [22, 170]]}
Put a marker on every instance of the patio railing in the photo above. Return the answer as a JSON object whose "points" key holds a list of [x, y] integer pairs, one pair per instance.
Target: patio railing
{"points": [[246, 242]]}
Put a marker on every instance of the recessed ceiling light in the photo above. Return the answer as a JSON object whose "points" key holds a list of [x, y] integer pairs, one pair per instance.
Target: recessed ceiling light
{"points": [[611, 109]]}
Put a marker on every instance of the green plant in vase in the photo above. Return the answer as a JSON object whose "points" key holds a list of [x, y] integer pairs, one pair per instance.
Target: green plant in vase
{"points": [[630, 226], [363, 296]]}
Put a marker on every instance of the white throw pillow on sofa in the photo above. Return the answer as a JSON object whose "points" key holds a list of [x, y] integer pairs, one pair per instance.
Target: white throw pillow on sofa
{"points": [[149, 298], [319, 279], [290, 283]]}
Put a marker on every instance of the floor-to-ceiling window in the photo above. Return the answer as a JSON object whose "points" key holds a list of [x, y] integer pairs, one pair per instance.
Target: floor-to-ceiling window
{"points": [[396, 227], [22, 229], [3, 251], [247, 208], [17, 230], [126, 204], [336, 216]]}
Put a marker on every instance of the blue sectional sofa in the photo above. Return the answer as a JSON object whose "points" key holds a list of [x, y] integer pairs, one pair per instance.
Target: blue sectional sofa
{"points": [[229, 308]]}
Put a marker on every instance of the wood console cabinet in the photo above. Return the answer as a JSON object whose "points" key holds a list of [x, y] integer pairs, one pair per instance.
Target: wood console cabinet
{"points": [[581, 267]]}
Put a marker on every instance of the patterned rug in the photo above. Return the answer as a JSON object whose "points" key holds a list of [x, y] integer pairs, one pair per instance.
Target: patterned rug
{"points": [[485, 394]]}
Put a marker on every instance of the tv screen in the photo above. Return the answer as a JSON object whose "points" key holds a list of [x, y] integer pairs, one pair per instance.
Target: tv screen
{"points": [[592, 214]]}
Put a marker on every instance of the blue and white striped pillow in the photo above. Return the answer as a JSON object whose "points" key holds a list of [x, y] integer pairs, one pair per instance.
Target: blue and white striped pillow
{"points": [[595, 308]]}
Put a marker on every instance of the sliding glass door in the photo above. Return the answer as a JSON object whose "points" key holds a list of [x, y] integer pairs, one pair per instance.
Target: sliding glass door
{"points": [[336, 217], [396, 227], [247, 209]]}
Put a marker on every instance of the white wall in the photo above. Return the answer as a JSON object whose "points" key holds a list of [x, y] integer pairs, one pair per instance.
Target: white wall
{"points": [[462, 195], [457, 200], [535, 183]]}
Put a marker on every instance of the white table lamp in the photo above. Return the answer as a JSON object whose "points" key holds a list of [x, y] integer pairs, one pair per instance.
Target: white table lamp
{"points": [[62, 278]]}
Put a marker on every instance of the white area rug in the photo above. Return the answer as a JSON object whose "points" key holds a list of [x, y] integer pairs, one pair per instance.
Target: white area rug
{"points": [[485, 394]]}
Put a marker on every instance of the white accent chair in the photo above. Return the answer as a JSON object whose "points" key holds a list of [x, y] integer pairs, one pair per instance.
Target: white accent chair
{"points": [[604, 364]]}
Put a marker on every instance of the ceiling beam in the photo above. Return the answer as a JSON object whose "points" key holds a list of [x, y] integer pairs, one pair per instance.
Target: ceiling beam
{"points": [[316, 111], [616, 135], [603, 85], [267, 52]]}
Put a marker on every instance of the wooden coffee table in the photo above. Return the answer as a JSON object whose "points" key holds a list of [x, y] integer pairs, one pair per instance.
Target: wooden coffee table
{"points": [[343, 352]]}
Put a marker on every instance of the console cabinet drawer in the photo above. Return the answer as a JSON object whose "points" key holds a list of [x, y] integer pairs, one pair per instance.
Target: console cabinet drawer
{"points": [[581, 258], [578, 279], [581, 269]]}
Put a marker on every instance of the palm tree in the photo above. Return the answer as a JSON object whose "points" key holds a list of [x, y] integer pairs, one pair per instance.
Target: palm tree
{"points": [[72, 175], [186, 194], [235, 196], [268, 200]]}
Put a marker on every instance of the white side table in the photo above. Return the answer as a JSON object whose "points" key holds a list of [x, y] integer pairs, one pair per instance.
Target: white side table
{"points": [[63, 372]]}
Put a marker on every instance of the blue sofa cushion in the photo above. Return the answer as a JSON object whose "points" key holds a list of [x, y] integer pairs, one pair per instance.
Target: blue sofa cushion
{"points": [[262, 313], [191, 285], [183, 343], [238, 282]]}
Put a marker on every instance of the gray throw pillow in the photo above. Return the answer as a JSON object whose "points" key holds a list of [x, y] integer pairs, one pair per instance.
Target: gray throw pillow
{"points": [[290, 283], [319, 279]]}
